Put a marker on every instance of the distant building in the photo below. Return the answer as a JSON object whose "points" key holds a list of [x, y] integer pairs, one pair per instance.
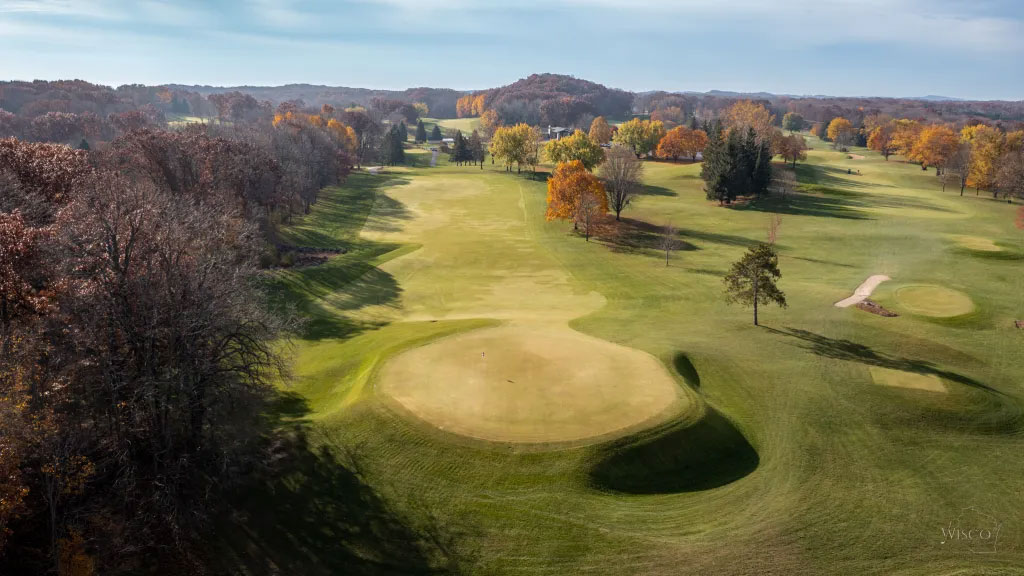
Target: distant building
{"points": [[557, 132], [447, 140]]}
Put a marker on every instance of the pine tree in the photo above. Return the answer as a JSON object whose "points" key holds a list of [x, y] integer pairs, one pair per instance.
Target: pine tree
{"points": [[476, 149], [393, 151], [83, 145], [460, 150], [403, 131], [435, 134], [761, 179], [717, 165], [694, 124], [421, 132]]}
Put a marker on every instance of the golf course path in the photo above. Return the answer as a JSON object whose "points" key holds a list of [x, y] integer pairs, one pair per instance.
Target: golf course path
{"points": [[433, 158], [863, 291]]}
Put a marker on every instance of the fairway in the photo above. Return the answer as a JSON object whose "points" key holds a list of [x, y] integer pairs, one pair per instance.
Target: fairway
{"points": [[523, 384], [976, 243], [527, 402], [934, 301]]}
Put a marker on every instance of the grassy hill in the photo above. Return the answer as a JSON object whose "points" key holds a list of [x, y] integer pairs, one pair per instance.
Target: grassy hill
{"points": [[801, 451]]}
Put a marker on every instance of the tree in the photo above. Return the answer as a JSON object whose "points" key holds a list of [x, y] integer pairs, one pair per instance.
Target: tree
{"points": [[840, 132], [958, 167], [574, 193], [640, 135], [489, 122], [476, 149], [422, 110], [747, 114], [600, 131], [1009, 180], [935, 146], [403, 131], [672, 145], [904, 136], [881, 140], [793, 122], [669, 241], [621, 173], [752, 280], [435, 133], [578, 146], [392, 151], [986, 146], [792, 148], [421, 132], [515, 145], [670, 116], [717, 167]]}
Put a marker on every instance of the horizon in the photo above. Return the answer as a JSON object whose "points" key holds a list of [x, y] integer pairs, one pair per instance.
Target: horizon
{"points": [[885, 49]]}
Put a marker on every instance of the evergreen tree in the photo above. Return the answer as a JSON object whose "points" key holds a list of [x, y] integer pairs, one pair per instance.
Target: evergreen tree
{"points": [[421, 132], [83, 145], [740, 152], [752, 280], [392, 151], [476, 149], [761, 179], [403, 131], [694, 123], [460, 149], [717, 166], [435, 134]]}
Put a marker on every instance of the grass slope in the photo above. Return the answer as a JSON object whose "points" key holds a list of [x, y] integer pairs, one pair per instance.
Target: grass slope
{"points": [[797, 462]]}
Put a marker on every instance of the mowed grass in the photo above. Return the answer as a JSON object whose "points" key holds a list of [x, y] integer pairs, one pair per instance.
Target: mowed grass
{"points": [[796, 461]]}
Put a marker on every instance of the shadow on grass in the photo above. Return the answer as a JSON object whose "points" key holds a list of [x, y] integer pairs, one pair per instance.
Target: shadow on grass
{"points": [[685, 368], [716, 238], [633, 236], [817, 261], [840, 349], [801, 204], [311, 511], [648, 190], [676, 458]]}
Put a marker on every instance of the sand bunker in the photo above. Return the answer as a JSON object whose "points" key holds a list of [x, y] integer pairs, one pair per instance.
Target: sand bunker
{"points": [[532, 385], [911, 380], [863, 291], [978, 244], [935, 301]]}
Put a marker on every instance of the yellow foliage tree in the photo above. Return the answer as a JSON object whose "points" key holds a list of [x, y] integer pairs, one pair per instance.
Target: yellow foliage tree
{"points": [[986, 144], [904, 136], [935, 146], [840, 132], [600, 131], [489, 122], [746, 114]]}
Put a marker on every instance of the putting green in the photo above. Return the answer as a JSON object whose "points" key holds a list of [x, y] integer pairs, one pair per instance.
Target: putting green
{"points": [[935, 301], [529, 384], [976, 243], [901, 379]]}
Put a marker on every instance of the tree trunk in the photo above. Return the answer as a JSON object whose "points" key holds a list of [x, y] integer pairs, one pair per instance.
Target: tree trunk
{"points": [[755, 300]]}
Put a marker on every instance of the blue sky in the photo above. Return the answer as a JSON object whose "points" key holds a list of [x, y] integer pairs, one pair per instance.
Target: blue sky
{"points": [[964, 48]]}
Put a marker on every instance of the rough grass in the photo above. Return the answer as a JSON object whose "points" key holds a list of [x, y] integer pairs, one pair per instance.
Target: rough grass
{"points": [[796, 462]]}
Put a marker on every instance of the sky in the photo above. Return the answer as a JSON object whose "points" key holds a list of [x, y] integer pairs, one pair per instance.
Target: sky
{"points": [[960, 48]]}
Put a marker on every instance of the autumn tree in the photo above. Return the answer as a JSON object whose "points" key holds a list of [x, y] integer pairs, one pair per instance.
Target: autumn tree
{"points": [[577, 146], [642, 136], [986, 144], [489, 122], [515, 145], [574, 193], [904, 137], [792, 148], [672, 144], [670, 116], [600, 131], [793, 122], [746, 114], [880, 139], [935, 146], [1009, 180], [422, 110], [840, 132], [752, 280], [621, 173]]}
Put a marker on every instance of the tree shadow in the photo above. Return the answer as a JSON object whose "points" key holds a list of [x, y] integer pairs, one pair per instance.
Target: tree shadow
{"points": [[676, 458], [648, 190], [633, 236], [801, 204], [311, 511], [841, 349], [716, 238], [817, 261]]}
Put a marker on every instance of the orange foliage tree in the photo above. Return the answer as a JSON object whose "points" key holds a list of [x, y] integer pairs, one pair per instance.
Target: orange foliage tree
{"points": [[681, 141], [935, 146], [746, 114], [574, 193], [880, 140]]}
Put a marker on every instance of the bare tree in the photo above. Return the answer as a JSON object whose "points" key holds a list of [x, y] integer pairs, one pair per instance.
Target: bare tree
{"points": [[785, 180], [774, 224], [1010, 175], [957, 168], [621, 172], [587, 213], [669, 241]]}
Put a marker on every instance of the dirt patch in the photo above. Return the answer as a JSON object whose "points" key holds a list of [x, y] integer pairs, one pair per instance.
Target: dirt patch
{"points": [[529, 384], [876, 308], [856, 157]]}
